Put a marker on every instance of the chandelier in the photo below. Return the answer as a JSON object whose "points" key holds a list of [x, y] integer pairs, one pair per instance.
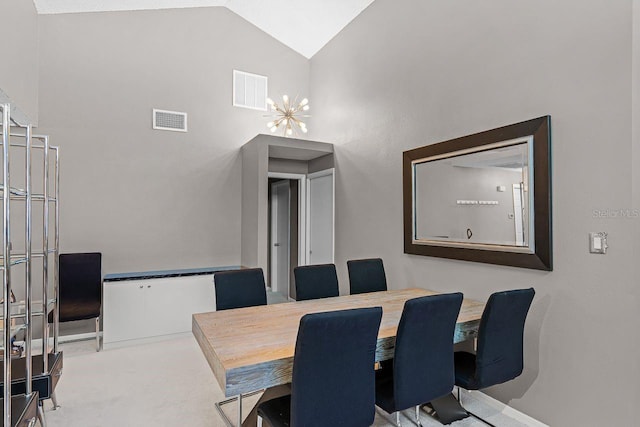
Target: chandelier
{"points": [[288, 116]]}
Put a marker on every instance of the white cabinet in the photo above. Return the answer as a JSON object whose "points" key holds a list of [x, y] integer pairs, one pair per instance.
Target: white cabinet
{"points": [[147, 308]]}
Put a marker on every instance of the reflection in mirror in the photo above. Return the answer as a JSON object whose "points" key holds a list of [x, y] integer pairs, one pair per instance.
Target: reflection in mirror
{"points": [[484, 197], [478, 196]]}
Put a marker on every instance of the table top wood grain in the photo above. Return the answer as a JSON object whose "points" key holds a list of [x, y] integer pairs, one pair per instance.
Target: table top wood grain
{"points": [[252, 348]]}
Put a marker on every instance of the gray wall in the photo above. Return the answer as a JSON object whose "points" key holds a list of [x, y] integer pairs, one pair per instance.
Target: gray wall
{"points": [[407, 73], [19, 65], [636, 136], [255, 170], [321, 163], [154, 199], [288, 166]]}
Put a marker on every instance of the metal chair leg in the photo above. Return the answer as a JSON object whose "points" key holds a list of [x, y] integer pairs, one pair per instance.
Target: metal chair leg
{"points": [[227, 421], [469, 412], [240, 410], [418, 422], [40, 414], [98, 333], [396, 422]]}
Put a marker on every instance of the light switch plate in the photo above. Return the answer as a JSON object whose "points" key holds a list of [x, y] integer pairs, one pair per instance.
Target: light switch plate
{"points": [[598, 242]]}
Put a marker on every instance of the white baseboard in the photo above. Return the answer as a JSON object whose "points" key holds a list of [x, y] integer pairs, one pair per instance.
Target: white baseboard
{"points": [[37, 343], [140, 341], [77, 337], [505, 409]]}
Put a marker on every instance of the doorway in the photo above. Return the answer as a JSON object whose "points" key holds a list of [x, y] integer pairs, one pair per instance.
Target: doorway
{"points": [[280, 236], [301, 226], [286, 234]]}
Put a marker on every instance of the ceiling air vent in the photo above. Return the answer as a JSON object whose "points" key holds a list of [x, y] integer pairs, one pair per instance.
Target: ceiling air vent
{"points": [[249, 90], [169, 120]]}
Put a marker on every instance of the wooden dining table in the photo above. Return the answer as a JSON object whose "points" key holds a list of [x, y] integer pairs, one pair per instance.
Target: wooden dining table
{"points": [[251, 349]]}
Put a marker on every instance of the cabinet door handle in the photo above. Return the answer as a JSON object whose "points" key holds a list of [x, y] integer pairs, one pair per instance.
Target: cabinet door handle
{"points": [[141, 286], [148, 286], [32, 422]]}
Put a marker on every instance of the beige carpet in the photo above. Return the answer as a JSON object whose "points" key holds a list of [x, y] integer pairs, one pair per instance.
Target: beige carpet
{"points": [[167, 383]]}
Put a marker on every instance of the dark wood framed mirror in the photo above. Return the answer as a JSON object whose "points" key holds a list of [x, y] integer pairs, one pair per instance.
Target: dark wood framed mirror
{"points": [[484, 197]]}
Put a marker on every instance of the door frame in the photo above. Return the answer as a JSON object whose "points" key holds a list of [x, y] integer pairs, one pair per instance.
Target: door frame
{"points": [[302, 211], [319, 174]]}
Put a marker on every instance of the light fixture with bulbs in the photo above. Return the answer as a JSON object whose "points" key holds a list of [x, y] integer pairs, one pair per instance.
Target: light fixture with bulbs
{"points": [[288, 116]]}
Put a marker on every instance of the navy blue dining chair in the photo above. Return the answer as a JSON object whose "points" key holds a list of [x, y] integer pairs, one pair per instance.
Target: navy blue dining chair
{"points": [[333, 379], [499, 354], [422, 368], [239, 288], [366, 275], [80, 287], [316, 281]]}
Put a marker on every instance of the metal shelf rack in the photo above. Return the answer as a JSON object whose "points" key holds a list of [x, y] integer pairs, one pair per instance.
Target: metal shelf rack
{"points": [[32, 377]]}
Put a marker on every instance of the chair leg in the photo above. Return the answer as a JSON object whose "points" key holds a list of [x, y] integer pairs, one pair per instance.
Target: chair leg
{"points": [[469, 412], [40, 415], [239, 410], [418, 423], [447, 409], [396, 422], [98, 333], [227, 421]]}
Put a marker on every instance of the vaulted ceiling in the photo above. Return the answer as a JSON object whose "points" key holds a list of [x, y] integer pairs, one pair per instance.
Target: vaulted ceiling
{"points": [[303, 25]]}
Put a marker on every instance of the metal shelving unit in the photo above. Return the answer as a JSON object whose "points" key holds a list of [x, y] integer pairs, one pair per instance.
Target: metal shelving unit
{"points": [[32, 377]]}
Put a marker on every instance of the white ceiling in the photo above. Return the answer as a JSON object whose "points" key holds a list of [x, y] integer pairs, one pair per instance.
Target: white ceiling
{"points": [[303, 25]]}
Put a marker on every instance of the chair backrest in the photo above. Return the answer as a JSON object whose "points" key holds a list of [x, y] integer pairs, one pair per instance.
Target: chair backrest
{"points": [[239, 288], [499, 356], [423, 367], [366, 275], [80, 279], [333, 380], [316, 281]]}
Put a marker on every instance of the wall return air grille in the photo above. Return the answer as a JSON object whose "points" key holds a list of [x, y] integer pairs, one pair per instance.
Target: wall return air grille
{"points": [[169, 120], [249, 90]]}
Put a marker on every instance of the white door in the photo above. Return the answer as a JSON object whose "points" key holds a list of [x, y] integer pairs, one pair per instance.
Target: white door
{"points": [[280, 229], [320, 224]]}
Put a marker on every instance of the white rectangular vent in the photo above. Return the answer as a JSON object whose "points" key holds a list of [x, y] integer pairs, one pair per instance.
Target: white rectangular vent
{"points": [[169, 120], [249, 90]]}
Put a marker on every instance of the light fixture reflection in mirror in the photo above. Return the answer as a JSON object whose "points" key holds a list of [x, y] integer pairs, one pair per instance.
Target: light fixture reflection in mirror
{"points": [[478, 197]]}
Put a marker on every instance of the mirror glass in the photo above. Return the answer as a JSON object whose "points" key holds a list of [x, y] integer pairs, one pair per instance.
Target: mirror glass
{"points": [[484, 197], [480, 197]]}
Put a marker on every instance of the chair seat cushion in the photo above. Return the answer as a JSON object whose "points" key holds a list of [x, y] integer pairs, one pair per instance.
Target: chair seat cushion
{"points": [[384, 389], [277, 412], [465, 364], [77, 310]]}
